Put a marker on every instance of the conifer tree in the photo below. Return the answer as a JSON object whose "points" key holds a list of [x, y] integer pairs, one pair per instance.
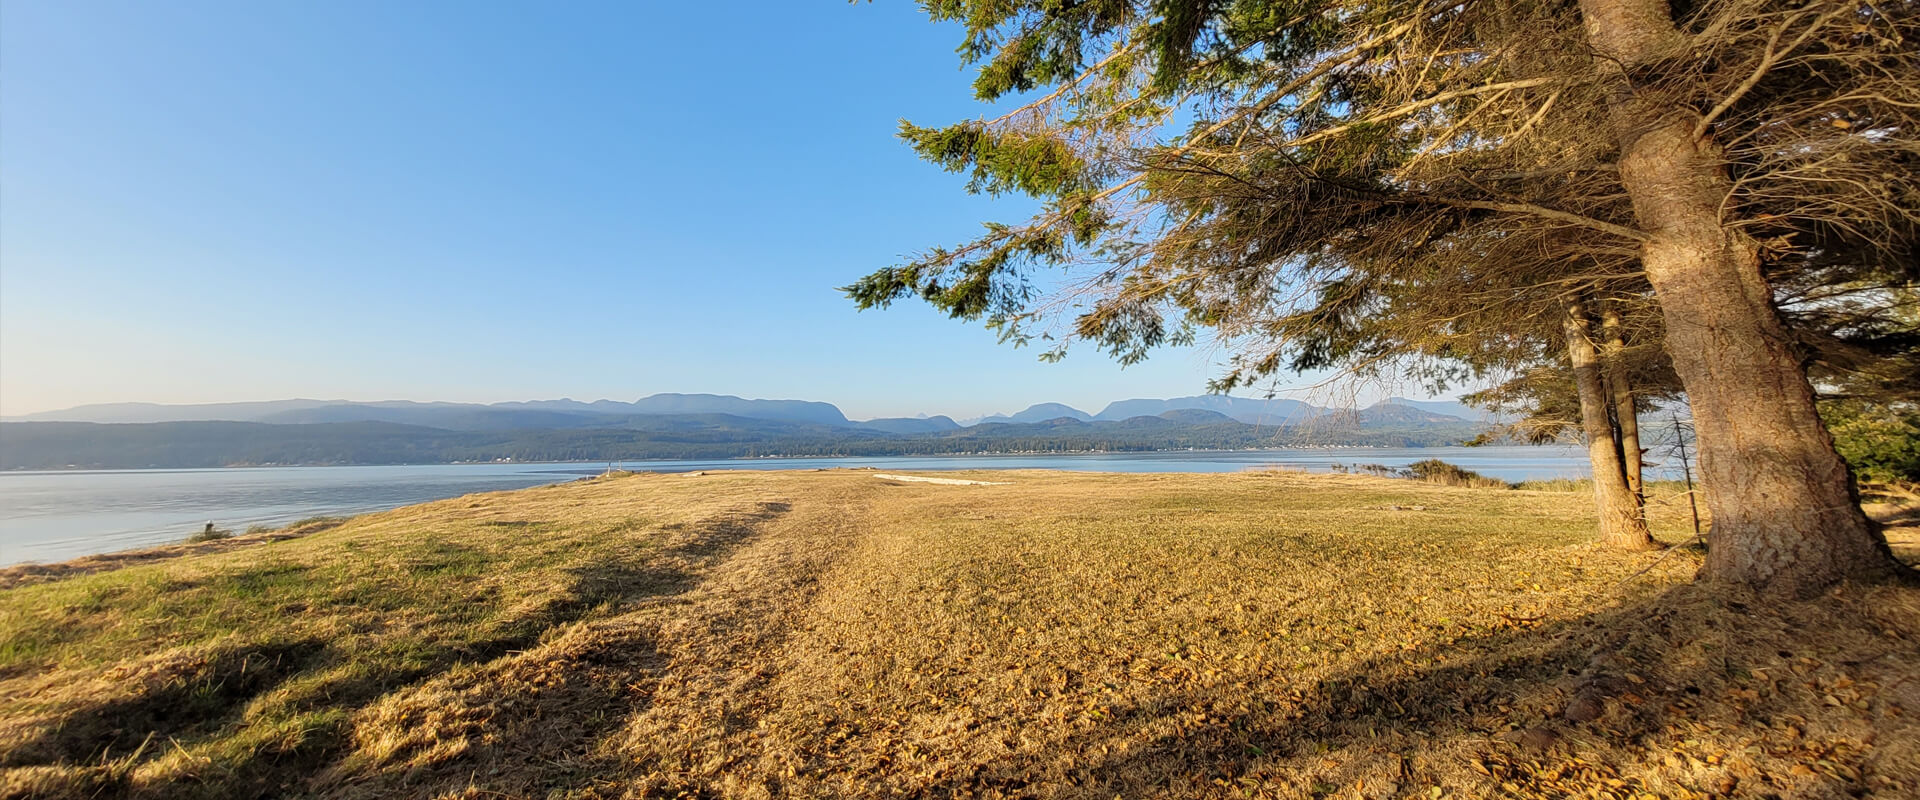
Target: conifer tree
{"points": [[1223, 164]]}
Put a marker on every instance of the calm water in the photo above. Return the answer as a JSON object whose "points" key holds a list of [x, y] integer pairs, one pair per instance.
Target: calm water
{"points": [[51, 516]]}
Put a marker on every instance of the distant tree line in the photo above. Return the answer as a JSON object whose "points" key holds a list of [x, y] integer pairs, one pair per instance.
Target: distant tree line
{"points": [[60, 445]]}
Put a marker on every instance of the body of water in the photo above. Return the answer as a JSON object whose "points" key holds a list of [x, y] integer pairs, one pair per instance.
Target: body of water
{"points": [[52, 516]]}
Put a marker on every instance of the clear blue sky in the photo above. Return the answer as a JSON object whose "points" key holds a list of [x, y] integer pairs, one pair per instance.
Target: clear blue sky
{"points": [[470, 201]]}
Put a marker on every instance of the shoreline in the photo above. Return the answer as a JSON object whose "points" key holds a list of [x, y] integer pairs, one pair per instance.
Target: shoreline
{"points": [[616, 462], [49, 516], [27, 573]]}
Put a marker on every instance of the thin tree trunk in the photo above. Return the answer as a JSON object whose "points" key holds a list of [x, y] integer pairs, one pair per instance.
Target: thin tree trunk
{"points": [[1785, 516], [1621, 524], [1621, 388]]}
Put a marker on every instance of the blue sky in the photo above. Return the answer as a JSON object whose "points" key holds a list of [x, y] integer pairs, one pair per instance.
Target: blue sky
{"points": [[208, 202]]}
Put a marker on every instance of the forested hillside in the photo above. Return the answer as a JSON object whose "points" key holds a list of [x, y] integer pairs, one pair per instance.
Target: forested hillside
{"points": [[62, 445]]}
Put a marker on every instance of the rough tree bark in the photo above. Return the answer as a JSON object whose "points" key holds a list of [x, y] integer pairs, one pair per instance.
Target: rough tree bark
{"points": [[1622, 525], [1621, 388], [1785, 515]]}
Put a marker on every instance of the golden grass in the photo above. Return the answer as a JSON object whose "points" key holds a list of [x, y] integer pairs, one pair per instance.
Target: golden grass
{"points": [[828, 634]]}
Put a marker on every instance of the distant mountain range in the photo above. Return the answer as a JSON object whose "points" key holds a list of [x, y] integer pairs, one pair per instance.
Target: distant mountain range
{"points": [[679, 426], [453, 416], [566, 413]]}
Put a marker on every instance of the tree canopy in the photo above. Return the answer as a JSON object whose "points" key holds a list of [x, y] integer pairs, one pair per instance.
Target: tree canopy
{"points": [[1431, 184]]}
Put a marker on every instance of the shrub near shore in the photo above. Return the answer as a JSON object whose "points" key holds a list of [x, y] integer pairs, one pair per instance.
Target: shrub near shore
{"points": [[829, 634]]}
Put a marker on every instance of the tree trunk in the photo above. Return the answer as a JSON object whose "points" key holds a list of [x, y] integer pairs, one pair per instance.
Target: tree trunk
{"points": [[1621, 389], [1785, 517], [1622, 526]]}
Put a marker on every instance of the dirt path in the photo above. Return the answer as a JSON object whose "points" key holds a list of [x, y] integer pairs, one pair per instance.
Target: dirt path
{"points": [[676, 683]]}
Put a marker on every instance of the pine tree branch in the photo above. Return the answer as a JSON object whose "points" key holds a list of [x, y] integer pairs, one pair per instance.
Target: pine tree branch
{"points": [[1408, 108], [1546, 213]]}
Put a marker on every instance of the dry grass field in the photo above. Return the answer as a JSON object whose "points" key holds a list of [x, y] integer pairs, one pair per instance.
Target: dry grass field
{"points": [[829, 634]]}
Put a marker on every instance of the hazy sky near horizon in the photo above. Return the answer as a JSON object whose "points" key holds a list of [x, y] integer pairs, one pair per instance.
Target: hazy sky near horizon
{"points": [[221, 201]]}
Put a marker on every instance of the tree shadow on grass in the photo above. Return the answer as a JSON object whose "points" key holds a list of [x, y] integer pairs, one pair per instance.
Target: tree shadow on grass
{"points": [[528, 724], [524, 725], [185, 694], [210, 698], [1689, 694]]}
